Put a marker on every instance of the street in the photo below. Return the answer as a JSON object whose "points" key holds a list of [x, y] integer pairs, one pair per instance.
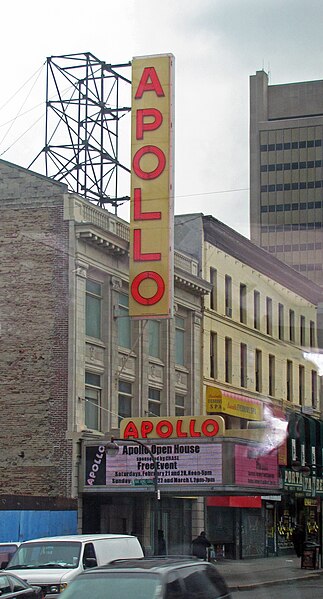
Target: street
{"points": [[310, 589]]}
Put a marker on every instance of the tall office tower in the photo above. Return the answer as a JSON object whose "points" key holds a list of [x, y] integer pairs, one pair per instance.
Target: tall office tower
{"points": [[286, 175]]}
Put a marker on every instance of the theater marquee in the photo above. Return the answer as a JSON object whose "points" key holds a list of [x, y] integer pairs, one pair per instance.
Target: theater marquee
{"points": [[186, 465], [152, 195]]}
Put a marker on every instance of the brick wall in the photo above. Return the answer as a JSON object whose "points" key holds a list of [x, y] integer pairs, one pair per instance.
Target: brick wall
{"points": [[34, 336]]}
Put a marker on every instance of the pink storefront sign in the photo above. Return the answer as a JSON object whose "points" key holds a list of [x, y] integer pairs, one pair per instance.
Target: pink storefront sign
{"points": [[255, 471]]}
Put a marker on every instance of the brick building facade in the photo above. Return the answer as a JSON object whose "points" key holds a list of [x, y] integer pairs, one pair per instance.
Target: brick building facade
{"points": [[72, 361]]}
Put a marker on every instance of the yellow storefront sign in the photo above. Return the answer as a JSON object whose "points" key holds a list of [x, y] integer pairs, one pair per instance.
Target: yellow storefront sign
{"points": [[217, 402]]}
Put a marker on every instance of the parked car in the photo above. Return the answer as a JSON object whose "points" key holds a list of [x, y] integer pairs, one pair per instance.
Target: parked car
{"points": [[52, 562], [12, 586], [148, 578], [7, 550]]}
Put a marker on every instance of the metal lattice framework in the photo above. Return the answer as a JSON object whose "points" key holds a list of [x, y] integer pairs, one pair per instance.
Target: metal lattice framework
{"points": [[83, 113]]}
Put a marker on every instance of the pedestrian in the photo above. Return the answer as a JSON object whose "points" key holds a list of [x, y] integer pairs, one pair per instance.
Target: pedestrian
{"points": [[298, 538], [161, 543], [200, 545]]}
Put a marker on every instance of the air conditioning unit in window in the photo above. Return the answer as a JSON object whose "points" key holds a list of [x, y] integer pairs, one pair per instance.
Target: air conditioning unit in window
{"points": [[228, 312]]}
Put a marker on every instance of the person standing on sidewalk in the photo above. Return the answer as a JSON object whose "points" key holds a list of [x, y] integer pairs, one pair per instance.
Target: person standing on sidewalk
{"points": [[161, 543], [200, 545], [298, 538]]}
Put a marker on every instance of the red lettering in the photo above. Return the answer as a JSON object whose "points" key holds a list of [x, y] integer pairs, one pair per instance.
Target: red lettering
{"points": [[146, 428], [137, 213], [159, 168], [137, 255], [193, 433], [147, 301], [179, 431], [161, 425], [214, 428], [130, 431], [149, 82], [142, 126]]}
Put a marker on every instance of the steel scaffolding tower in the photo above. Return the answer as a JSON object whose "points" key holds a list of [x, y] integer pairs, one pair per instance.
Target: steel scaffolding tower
{"points": [[83, 113]]}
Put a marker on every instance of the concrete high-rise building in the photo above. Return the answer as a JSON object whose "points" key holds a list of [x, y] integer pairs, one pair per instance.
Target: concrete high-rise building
{"points": [[286, 175]]}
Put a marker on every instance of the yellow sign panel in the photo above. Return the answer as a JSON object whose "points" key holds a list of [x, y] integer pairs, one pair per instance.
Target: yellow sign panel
{"points": [[152, 194], [240, 407], [172, 427]]}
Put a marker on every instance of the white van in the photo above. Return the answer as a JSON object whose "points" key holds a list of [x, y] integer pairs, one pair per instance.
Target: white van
{"points": [[52, 562]]}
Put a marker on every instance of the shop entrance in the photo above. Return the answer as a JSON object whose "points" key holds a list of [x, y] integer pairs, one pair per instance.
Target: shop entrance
{"points": [[252, 533], [103, 513]]}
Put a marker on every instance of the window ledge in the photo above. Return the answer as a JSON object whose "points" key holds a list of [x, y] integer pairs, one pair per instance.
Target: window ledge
{"points": [[95, 341]]}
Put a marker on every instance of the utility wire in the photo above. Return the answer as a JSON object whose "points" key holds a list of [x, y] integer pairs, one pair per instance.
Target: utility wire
{"points": [[22, 86], [22, 114], [20, 136], [148, 412], [21, 107]]}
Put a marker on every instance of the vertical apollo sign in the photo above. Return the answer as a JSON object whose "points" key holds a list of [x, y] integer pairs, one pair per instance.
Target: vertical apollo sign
{"points": [[152, 195]]}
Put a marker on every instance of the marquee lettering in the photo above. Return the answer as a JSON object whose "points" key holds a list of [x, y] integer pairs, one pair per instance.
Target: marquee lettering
{"points": [[137, 211], [151, 162], [142, 125], [135, 288], [149, 82], [165, 428]]}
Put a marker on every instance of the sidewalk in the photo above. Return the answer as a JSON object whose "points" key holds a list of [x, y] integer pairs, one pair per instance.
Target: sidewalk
{"points": [[249, 573]]}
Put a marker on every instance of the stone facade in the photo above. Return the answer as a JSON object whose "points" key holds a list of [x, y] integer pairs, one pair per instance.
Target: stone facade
{"points": [[55, 246], [231, 256]]}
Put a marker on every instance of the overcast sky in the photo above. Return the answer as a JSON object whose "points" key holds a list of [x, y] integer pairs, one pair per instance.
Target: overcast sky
{"points": [[217, 45]]}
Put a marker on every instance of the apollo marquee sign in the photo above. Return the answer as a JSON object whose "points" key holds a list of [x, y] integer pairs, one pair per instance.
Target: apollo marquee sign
{"points": [[151, 268], [187, 465], [172, 427]]}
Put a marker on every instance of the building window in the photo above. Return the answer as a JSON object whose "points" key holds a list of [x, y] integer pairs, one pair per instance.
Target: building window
{"points": [[153, 401], [301, 381], [213, 355], [228, 359], [154, 338], [292, 326], [124, 322], [92, 400], [180, 340], [280, 321], [243, 365], [269, 316], [93, 301], [179, 404], [271, 382], [124, 400], [228, 296], [302, 330], [258, 370], [312, 334], [243, 303], [256, 310], [214, 291], [314, 388], [289, 381]]}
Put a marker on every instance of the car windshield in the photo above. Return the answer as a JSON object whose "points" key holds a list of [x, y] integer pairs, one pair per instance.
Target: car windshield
{"points": [[50, 555], [120, 585]]}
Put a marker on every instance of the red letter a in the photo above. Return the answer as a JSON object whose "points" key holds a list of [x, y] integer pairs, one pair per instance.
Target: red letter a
{"points": [[149, 82]]}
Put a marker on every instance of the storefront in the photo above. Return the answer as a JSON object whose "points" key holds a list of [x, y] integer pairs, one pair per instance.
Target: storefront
{"points": [[246, 525], [196, 462], [301, 481]]}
